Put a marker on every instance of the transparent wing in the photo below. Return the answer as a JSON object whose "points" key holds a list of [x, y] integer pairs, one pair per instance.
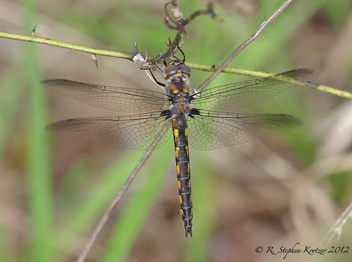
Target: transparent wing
{"points": [[110, 97], [134, 131], [212, 130], [242, 94]]}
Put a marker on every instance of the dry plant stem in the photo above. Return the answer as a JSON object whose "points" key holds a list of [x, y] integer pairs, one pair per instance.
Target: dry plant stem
{"points": [[81, 48], [179, 36], [123, 190], [175, 43], [208, 11], [336, 229], [246, 72], [244, 44]]}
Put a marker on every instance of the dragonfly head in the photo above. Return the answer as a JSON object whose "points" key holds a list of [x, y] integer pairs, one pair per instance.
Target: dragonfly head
{"points": [[177, 70]]}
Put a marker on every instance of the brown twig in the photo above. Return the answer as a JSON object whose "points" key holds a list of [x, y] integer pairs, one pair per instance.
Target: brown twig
{"points": [[123, 190], [209, 11], [243, 45], [165, 128], [180, 24]]}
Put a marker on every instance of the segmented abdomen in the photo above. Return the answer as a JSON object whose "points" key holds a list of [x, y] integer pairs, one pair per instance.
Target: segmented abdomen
{"points": [[180, 128]]}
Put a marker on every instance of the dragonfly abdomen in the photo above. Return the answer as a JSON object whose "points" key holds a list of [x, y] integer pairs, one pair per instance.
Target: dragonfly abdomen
{"points": [[180, 129]]}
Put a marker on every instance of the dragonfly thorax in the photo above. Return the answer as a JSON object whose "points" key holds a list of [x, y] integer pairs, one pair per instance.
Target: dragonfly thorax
{"points": [[180, 97]]}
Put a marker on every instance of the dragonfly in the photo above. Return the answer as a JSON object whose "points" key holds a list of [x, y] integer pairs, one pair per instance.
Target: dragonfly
{"points": [[205, 120]]}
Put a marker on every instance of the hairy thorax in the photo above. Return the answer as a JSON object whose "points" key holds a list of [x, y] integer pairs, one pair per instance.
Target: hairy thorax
{"points": [[179, 91]]}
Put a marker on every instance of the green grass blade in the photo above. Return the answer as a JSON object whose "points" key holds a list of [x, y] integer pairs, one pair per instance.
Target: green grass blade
{"points": [[39, 183], [81, 217], [86, 214], [133, 217]]}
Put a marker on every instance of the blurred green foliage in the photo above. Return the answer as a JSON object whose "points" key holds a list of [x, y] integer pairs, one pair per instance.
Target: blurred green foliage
{"points": [[340, 184]]}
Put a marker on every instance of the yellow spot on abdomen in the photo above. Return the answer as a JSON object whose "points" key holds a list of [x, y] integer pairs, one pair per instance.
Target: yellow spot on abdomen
{"points": [[180, 199], [178, 169], [177, 150], [187, 151], [188, 168], [179, 185], [186, 132], [176, 133]]}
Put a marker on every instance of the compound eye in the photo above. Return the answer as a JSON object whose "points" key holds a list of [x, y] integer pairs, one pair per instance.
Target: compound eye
{"points": [[169, 71], [185, 69]]}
